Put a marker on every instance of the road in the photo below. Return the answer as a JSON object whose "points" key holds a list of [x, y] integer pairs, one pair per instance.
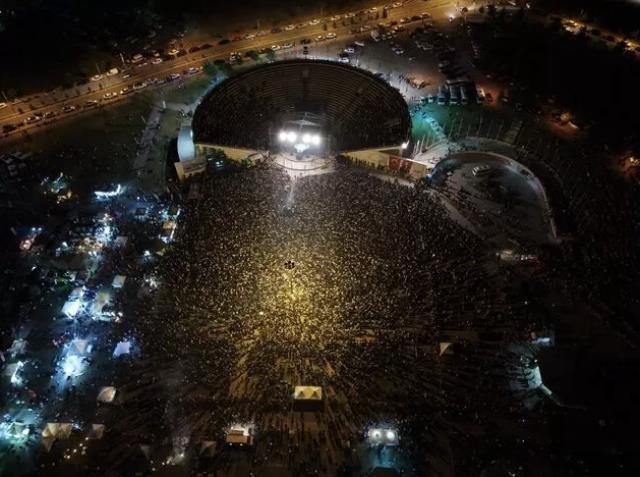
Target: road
{"points": [[16, 113]]}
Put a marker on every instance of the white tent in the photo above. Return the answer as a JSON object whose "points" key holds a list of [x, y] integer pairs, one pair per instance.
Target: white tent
{"points": [[123, 347], [79, 347], [47, 442], [107, 394], [101, 300], [18, 347], [71, 308], [445, 347], [12, 369], [120, 241], [208, 447], [74, 303], [57, 430], [96, 431], [118, 281], [313, 393]]}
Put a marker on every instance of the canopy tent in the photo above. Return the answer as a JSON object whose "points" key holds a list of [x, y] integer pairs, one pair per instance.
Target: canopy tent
{"points": [[123, 347], [18, 347], [57, 430], [102, 298], [96, 431], [445, 347], [12, 369], [208, 448], [120, 241], [79, 347], [118, 281], [71, 308], [47, 442], [307, 398], [308, 393], [74, 303], [107, 394]]}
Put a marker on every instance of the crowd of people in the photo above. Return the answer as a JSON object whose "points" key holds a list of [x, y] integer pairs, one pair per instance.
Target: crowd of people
{"points": [[339, 280]]}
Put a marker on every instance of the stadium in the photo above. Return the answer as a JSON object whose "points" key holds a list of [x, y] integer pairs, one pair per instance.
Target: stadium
{"points": [[352, 108], [337, 299]]}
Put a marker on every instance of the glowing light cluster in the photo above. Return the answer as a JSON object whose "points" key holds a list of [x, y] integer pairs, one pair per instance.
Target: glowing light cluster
{"points": [[292, 137]]}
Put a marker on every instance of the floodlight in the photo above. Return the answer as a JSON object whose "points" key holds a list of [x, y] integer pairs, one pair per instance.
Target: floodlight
{"points": [[282, 136], [292, 136], [316, 140], [306, 138], [391, 436]]}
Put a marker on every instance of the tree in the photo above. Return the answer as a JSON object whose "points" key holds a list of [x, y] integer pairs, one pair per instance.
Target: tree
{"points": [[324, 26], [210, 69], [253, 54], [226, 69], [384, 13], [271, 55]]}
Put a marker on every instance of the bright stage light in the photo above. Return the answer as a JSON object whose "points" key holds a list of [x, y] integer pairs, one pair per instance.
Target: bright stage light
{"points": [[282, 136], [391, 435], [316, 140], [292, 136], [306, 138]]}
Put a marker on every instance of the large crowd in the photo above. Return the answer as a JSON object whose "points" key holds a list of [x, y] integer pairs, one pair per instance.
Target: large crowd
{"points": [[341, 280]]}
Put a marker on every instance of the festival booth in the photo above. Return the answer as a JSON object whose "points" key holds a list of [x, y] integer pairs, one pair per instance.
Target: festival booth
{"points": [[122, 348], [240, 435], [55, 431], [118, 281], [308, 398], [18, 347], [107, 394], [74, 303], [96, 431]]}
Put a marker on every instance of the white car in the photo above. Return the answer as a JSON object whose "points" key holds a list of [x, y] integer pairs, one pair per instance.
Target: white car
{"points": [[3, 105], [96, 77], [372, 10], [173, 51], [397, 4], [249, 36], [335, 18], [156, 61], [315, 21], [275, 47], [290, 27], [107, 96], [287, 46], [343, 59], [349, 49], [320, 38], [331, 36]]}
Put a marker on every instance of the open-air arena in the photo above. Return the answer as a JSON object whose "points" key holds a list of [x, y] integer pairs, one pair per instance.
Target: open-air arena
{"points": [[280, 239]]}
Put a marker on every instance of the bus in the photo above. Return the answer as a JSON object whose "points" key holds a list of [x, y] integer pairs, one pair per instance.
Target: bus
{"points": [[453, 95], [464, 99], [442, 96]]}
